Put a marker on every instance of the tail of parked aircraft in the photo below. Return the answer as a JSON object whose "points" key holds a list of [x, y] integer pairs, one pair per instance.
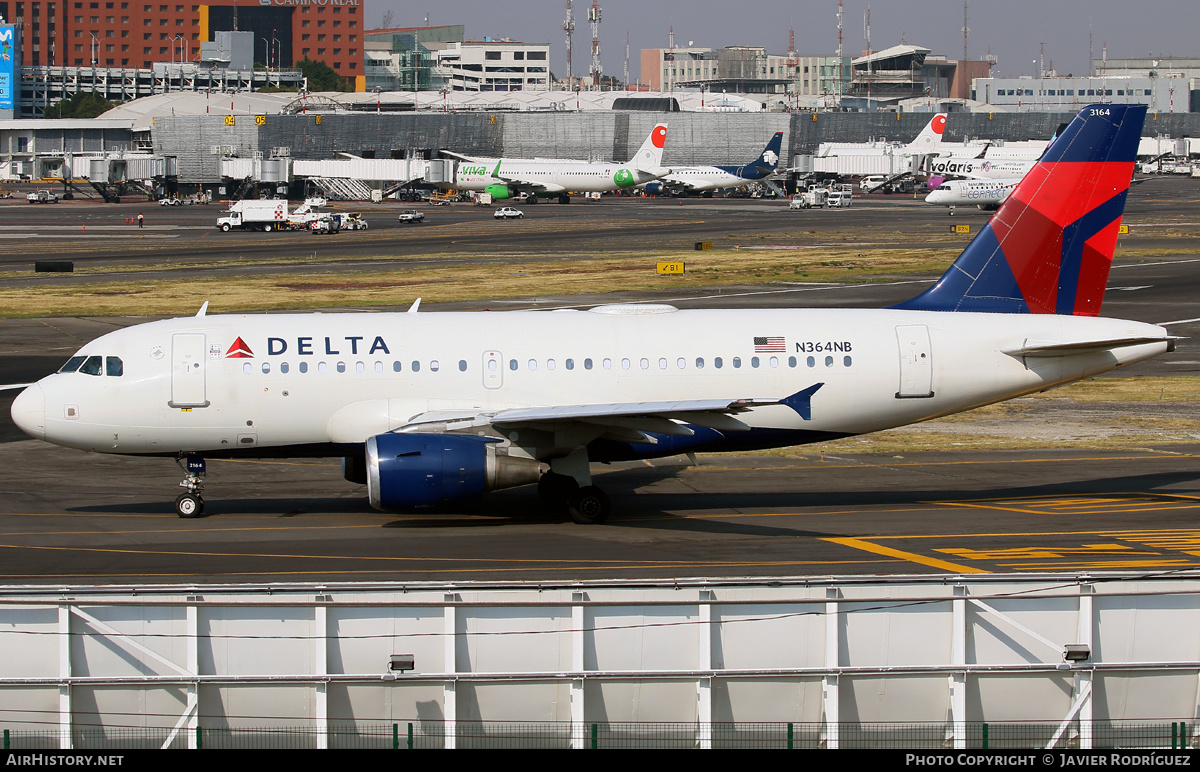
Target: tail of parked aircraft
{"points": [[769, 160], [930, 138], [649, 156], [1049, 248]]}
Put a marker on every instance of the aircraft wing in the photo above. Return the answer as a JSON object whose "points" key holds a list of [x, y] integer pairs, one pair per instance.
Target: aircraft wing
{"points": [[452, 154], [623, 421], [518, 182], [672, 183]]}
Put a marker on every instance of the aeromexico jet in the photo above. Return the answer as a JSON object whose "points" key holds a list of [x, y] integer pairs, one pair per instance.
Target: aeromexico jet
{"points": [[430, 408], [705, 179], [506, 177]]}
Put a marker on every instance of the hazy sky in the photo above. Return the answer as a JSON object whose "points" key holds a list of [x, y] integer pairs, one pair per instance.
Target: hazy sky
{"points": [[1013, 30]]}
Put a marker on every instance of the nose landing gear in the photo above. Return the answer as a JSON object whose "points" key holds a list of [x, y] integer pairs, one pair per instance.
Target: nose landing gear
{"points": [[190, 504]]}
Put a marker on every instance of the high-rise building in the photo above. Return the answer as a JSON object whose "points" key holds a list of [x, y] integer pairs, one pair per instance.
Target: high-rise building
{"points": [[137, 33]]}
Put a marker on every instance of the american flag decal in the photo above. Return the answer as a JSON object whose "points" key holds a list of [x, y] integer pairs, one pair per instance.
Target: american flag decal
{"points": [[769, 345]]}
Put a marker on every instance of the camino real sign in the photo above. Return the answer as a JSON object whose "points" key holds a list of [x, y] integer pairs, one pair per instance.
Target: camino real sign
{"points": [[10, 67]]}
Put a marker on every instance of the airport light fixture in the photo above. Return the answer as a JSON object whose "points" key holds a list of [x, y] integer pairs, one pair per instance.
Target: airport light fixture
{"points": [[401, 663], [1077, 652]]}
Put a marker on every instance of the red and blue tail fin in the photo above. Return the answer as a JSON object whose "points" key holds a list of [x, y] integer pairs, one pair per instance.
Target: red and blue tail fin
{"points": [[1049, 248]]}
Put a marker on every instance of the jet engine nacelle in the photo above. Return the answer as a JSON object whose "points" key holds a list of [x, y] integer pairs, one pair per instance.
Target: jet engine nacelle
{"points": [[498, 192], [655, 188], [419, 470]]}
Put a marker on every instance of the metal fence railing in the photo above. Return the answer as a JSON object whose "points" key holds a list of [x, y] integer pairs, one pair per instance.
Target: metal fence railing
{"points": [[1142, 735]]}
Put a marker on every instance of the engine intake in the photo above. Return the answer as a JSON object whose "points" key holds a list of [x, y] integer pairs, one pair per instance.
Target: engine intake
{"points": [[405, 471]]}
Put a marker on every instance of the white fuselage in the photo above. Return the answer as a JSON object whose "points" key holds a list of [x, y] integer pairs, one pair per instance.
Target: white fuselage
{"points": [[706, 178], [311, 379], [979, 168], [983, 193], [551, 177]]}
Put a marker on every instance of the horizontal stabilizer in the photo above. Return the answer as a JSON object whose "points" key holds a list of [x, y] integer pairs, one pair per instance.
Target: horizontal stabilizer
{"points": [[1083, 347]]}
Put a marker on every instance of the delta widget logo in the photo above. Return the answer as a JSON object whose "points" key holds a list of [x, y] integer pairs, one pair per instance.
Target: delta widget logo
{"points": [[239, 350]]}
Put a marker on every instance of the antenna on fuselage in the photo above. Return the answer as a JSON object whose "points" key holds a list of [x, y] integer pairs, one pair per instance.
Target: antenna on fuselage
{"points": [[203, 309], [413, 308]]}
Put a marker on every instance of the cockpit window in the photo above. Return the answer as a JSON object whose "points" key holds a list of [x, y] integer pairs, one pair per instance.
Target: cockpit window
{"points": [[113, 366], [72, 365], [92, 366]]}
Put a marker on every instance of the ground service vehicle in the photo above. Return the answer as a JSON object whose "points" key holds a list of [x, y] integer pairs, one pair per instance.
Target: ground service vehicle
{"points": [[508, 213], [323, 224], [411, 216], [255, 214], [42, 197], [815, 197], [351, 221]]}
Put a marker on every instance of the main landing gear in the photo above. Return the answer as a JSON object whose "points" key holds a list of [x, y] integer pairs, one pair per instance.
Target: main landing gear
{"points": [[190, 504], [587, 505]]}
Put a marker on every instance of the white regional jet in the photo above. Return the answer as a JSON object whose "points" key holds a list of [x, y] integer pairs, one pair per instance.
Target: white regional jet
{"points": [[706, 179], [430, 408], [985, 194], [505, 177]]}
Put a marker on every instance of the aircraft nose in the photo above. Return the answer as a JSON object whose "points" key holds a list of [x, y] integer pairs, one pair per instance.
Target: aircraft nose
{"points": [[29, 411]]}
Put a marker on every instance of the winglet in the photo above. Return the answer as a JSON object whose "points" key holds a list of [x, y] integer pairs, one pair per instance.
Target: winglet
{"points": [[413, 308], [801, 401], [203, 309]]}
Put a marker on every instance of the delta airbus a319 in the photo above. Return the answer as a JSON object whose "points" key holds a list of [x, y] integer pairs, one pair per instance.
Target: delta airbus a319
{"points": [[431, 408]]}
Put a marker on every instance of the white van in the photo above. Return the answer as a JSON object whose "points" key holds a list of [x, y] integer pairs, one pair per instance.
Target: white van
{"points": [[872, 183], [839, 197]]}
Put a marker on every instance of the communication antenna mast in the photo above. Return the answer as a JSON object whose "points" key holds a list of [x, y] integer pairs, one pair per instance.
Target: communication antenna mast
{"points": [[869, 52], [1091, 61], [625, 74], [569, 27], [965, 30], [840, 74], [793, 62], [594, 18]]}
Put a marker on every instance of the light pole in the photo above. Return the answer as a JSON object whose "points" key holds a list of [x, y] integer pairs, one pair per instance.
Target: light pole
{"points": [[267, 45], [173, 39], [93, 34]]}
